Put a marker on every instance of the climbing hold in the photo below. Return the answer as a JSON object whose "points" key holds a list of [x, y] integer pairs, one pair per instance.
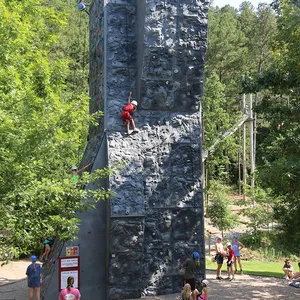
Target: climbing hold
{"points": [[97, 30]]}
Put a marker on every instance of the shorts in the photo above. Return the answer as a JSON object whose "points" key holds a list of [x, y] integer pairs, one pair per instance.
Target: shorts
{"points": [[219, 259], [34, 282], [126, 116], [191, 282], [229, 264]]}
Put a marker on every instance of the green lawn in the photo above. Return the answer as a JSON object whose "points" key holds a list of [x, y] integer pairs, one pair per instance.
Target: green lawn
{"points": [[256, 267]]}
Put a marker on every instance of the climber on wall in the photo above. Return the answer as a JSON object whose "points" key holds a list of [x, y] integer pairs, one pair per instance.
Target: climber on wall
{"points": [[75, 172], [127, 112]]}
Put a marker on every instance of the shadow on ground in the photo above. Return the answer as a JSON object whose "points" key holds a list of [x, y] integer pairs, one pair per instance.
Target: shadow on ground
{"points": [[245, 287]]}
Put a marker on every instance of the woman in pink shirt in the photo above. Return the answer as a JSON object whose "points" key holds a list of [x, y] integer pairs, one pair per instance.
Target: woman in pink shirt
{"points": [[69, 293]]}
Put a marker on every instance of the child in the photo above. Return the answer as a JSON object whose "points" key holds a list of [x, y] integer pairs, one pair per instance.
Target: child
{"points": [[127, 112], [186, 292], [203, 295], [230, 256], [48, 244], [69, 292], [237, 246]]}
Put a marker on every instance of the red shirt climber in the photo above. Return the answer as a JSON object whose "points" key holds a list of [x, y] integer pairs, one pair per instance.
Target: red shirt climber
{"points": [[127, 112]]}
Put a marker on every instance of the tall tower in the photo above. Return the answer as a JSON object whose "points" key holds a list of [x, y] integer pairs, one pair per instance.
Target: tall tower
{"points": [[156, 49]]}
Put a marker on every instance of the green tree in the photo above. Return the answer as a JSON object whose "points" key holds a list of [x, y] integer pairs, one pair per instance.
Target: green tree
{"points": [[226, 47], [218, 210], [279, 134], [43, 122], [218, 122]]}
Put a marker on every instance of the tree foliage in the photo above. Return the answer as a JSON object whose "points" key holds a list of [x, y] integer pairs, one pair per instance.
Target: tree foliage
{"points": [[218, 210], [44, 121], [263, 44]]}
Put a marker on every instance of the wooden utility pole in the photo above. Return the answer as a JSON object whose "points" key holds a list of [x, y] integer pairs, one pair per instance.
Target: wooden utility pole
{"points": [[254, 132], [239, 165], [251, 142]]}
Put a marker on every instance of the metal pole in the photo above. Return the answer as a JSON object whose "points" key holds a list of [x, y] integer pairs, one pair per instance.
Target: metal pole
{"points": [[251, 142]]}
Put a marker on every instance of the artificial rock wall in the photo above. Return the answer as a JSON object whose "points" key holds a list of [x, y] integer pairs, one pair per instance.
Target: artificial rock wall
{"points": [[156, 49]]}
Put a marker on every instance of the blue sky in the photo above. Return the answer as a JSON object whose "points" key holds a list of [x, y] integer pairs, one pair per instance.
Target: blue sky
{"points": [[236, 3]]}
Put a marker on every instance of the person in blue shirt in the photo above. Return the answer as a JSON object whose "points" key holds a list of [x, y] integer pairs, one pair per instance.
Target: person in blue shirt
{"points": [[34, 278], [236, 247]]}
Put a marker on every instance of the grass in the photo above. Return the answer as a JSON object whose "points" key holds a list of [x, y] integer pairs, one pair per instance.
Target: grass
{"points": [[256, 267]]}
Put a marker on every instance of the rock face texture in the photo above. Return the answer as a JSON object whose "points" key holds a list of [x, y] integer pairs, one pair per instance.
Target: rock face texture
{"points": [[156, 49]]}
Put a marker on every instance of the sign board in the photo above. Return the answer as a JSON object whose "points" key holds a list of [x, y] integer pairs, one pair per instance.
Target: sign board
{"points": [[69, 266], [64, 277], [72, 251], [69, 262]]}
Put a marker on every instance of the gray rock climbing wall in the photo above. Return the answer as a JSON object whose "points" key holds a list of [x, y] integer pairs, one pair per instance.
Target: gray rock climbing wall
{"points": [[155, 48]]}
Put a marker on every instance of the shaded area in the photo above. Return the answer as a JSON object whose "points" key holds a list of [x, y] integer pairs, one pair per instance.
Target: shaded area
{"points": [[49, 266], [92, 237], [156, 213], [244, 287]]}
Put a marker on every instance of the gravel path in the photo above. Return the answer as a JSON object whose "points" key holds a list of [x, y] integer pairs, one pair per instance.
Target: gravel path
{"points": [[243, 288]]}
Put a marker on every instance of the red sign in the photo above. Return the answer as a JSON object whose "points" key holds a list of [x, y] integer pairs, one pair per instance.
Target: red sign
{"points": [[68, 266]]}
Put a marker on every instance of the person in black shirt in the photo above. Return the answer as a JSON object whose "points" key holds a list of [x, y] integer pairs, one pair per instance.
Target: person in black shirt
{"points": [[191, 265]]}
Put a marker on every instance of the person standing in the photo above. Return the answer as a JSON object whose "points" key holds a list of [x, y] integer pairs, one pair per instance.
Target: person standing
{"points": [[69, 293], [191, 265], [237, 246], [34, 278], [230, 256], [219, 257]]}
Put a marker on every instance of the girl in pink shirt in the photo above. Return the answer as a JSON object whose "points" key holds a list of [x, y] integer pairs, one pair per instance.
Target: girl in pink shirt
{"points": [[69, 293]]}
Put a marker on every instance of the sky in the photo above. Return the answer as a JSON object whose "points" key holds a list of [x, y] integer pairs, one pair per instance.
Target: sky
{"points": [[236, 3]]}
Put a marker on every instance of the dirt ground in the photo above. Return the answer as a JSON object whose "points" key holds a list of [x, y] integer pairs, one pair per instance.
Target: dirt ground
{"points": [[244, 287], [13, 286]]}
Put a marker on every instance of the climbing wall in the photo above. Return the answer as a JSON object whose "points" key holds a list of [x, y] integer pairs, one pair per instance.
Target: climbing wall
{"points": [[49, 267], [156, 49]]}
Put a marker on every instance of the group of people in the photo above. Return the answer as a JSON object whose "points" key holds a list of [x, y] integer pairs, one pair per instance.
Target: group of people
{"points": [[189, 291], [232, 254], [34, 276], [34, 281], [293, 278]]}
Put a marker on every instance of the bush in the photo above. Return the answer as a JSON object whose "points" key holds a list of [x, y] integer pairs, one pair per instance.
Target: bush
{"points": [[267, 244]]}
